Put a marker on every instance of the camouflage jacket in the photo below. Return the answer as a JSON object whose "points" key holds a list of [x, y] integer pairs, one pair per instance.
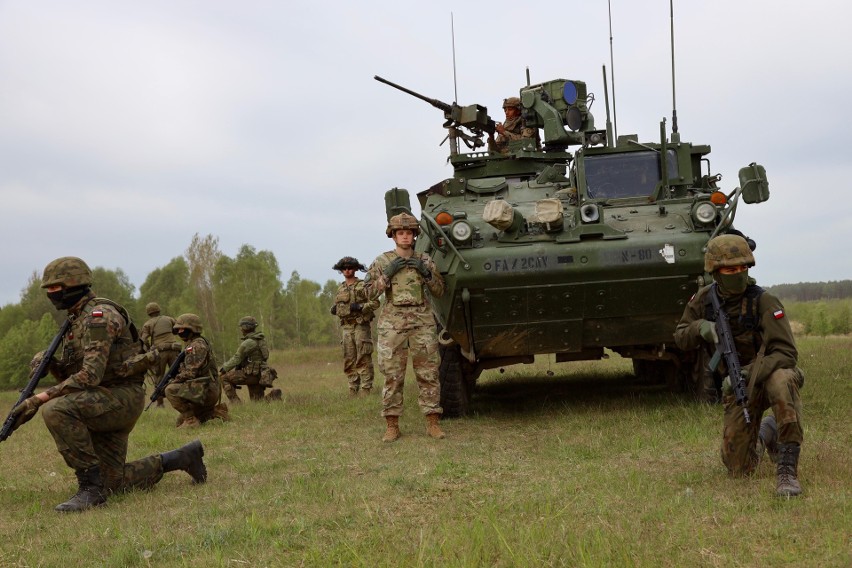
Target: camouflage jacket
{"points": [[514, 130], [355, 293], [771, 329], [199, 362], [251, 355], [407, 294], [100, 339], [157, 332]]}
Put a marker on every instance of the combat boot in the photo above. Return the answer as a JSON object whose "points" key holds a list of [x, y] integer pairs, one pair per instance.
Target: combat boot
{"points": [[190, 422], [231, 393], [392, 433], [187, 458], [353, 392], [220, 411], [432, 427], [90, 494], [364, 392], [787, 471], [767, 439], [275, 395]]}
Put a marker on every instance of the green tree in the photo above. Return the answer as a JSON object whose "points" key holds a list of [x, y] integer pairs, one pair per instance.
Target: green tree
{"points": [[114, 285], [306, 321], [169, 287], [841, 320], [18, 346], [202, 256]]}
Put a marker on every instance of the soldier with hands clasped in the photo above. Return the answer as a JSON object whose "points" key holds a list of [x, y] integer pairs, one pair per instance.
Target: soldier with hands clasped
{"points": [[407, 279], [767, 354]]}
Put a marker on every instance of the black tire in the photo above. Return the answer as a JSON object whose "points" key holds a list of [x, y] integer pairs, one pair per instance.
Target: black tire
{"points": [[457, 382]]}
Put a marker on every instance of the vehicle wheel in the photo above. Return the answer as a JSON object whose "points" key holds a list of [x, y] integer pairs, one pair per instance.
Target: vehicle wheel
{"points": [[457, 382]]}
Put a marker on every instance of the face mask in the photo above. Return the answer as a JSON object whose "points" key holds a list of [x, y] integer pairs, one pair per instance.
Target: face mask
{"points": [[732, 284], [184, 334], [66, 297]]}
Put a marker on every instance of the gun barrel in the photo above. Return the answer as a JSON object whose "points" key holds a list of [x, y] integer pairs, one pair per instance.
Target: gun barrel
{"points": [[434, 102]]}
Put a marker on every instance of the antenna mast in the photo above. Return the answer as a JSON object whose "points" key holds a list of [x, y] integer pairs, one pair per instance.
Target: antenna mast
{"points": [[612, 70], [455, 84], [674, 100]]}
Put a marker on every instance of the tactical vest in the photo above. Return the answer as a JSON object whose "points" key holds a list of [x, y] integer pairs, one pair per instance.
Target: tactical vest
{"points": [[255, 359], [745, 325], [348, 295], [161, 333], [406, 285], [121, 349]]}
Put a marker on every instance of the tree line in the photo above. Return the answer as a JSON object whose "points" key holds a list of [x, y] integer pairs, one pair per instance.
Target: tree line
{"points": [[813, 291], [204, 281]]}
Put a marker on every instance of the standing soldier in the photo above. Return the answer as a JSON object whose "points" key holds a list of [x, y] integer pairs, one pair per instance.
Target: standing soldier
{"points": [[768, 356], [407, 278], [196, 390], [93, 408], [157, 337], [356, 312], [248, 366]]}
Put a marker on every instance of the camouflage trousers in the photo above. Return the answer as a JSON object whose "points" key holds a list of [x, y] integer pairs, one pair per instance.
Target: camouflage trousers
{"points": [[197, 397], [780, 391], [165, 358], [358, 355], [392, 350], [91, 428], [239, 377]]}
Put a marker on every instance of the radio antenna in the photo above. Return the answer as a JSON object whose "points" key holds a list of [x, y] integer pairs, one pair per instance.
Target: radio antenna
{"points": [[674, 100], [612, 70], [455, 84]]}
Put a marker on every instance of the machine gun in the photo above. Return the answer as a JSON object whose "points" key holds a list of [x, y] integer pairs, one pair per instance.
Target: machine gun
{"points": [[36, 376], [728, 350], [167, 378], [473, 118]]}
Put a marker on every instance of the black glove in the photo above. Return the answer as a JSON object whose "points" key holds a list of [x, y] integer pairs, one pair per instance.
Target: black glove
{"points": [[420, 267], [394, 267], [355, 307], [334, 310], [25, 411]]}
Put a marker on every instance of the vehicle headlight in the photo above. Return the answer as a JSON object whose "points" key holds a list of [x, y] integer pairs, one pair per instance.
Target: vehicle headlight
{"points": [[461, 231], [704, 213]]}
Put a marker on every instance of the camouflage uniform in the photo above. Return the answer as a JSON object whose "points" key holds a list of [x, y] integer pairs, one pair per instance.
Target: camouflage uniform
{"points": [[514, 129], [156, 334], [406, 323], [195, 391], [775, 380], [767, 354], [93, 409], [356, 334], [248, 367]]}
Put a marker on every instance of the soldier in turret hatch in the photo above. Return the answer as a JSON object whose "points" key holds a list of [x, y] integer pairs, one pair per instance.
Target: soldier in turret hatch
{"points": [[512, 128]]}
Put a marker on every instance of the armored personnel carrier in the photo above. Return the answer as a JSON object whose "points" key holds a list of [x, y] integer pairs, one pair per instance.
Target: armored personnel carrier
{"points": [[569, 243]]}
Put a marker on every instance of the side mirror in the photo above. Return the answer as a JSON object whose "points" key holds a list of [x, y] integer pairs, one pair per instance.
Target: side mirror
{"points": [[753, 183]]}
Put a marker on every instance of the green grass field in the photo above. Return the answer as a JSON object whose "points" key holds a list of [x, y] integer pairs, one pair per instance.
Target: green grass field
{"points": [[583, 468]]}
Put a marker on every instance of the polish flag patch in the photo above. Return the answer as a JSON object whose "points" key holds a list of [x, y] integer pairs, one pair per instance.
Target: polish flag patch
{"points": [[97, 314], [189, 349], [778, 314]]}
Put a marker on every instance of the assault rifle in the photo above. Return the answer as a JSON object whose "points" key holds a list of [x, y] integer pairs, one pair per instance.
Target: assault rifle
{"points": [[167, 378], [36, 376], [728, 350]]}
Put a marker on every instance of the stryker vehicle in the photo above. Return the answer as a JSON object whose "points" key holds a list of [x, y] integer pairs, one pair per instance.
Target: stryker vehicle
{"points": [[568, 245]]}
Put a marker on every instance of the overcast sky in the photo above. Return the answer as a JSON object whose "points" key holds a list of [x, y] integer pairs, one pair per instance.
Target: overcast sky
{"points": [[127, 127]]}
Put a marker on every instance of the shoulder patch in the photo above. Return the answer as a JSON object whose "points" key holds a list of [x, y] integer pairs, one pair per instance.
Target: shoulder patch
{"points": [[97, 313], [189, 349], [778, 314]]}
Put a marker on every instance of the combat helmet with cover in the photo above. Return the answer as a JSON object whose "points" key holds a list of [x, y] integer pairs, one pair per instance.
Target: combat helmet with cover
{"points": [[69, 271], [727, 250], [187, 321], [152, 308], [512, 102], [248, 322], [349, 262], [402, 221]]}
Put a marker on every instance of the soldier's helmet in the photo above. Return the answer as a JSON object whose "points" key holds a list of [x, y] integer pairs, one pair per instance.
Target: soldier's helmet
{"points": [[152, 308], [187, 321], [727, 250], [512, 102], [402, 221], [248, 322], [349, 262], [68, 271]]}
